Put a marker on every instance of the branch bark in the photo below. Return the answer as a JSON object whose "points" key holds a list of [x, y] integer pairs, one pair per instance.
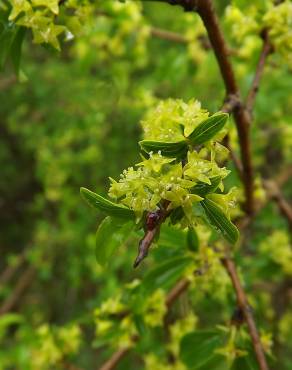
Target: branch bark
{"points": [[23, 283], [243, 305], [276, 194], [115, 359], [242, 119], [168, 35], [266, 50], [10, 270], [153, 223]]}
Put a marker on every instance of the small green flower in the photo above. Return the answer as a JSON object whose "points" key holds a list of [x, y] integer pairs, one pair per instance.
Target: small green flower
{"points": [[172, 120]]}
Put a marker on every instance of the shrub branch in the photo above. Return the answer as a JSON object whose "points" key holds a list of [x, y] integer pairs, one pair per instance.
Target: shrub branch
{"points": [[266, 50]]}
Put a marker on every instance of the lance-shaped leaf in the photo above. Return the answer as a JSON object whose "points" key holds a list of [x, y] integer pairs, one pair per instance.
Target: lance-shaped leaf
{"points": [[219, 220], [109, 236], [172, 150], [202, 189], [15, 51], [192, 240], [106, 206], [198, 348], [206, 130], [166, 273]]}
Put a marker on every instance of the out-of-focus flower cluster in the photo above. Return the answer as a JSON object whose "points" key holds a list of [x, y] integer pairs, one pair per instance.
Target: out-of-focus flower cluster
{"points": [[53, 345], [247, 24], [172, 119], [277, 247]]}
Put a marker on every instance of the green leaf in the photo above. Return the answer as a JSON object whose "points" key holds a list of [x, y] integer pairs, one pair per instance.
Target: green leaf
{"points": [[192, 239], [202, 189], [171, 237], [7, 320], [15, 50], [219, 220], [166, 274], [245, 363], [197, 348], [6, 38], [176, 215], [206, 130], [171, 150], [109, 237], [106, 206], [216, 362]]}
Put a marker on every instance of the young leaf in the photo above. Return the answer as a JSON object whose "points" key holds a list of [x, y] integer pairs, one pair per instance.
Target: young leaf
{"points": [[166, 273], [106, 206], [202, 189], [15, 50], [244, 363], [109, 237], [172, 150], [192, 240], [219, 220], [176, 215], [208, 128], [6, 38], [197, 348]]}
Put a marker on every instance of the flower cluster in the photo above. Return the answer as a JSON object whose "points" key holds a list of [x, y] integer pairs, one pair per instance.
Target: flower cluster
{"points": [[278, 20], [53, 345], [158, 178], [40, 16], [282, 253], [172, 119], [246, 26], [111, 312]]}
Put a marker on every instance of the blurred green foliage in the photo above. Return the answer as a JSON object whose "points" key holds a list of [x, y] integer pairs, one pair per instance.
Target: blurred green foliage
{"points": [[70, 118]]}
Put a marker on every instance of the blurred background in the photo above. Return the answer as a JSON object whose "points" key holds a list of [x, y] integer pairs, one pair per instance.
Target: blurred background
{"points": [[73, 121]]}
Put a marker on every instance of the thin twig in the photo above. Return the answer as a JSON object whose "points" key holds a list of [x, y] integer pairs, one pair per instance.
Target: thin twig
{"points": [[176, 291], [8, 273], [266, 50], [275, 194], [115, 359], [23, 283], [7, 83], [243, 305], [230, 103], [178, 38], [242, 119], [281, 179], [168, 35], [152, 227]]}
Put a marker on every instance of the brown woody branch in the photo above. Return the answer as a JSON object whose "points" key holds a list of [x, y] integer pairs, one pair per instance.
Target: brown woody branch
{"points": [[244, 307], [276, 194], [152, 227], [168, 35], [266, 50], [22, 284], [8, 273], [242, 118], [178, 38], [115, 359]]}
